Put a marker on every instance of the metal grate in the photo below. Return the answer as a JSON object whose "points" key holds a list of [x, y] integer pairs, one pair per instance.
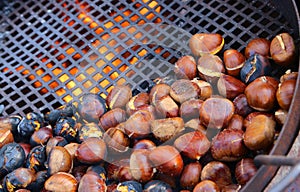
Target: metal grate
{"points": [[54, 51]]}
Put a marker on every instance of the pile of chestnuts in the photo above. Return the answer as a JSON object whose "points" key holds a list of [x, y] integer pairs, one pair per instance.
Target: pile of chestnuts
{"points": [[197, 132]]}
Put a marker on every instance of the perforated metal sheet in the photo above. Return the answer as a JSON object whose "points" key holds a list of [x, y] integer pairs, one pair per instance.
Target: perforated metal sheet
{"points": [[54, 51]]}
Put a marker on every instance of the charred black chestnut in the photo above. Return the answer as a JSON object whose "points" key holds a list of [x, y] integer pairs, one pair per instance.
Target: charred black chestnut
{"points": [[18, 179], [65, 127], [129, 186], [66, 110], [36, 158], [30, 123]]}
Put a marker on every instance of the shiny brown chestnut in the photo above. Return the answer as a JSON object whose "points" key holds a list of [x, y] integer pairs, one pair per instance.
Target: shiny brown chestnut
{"points": [[236, 122], [216, 112], [234, 61], [245, 169], [283, 49], [92, 150], [284, 93], [144, 144], [119, 96], [183, 90], [258, 46], [140, 166], [186, 67], [166, 107], [206, 89], [167, 160], [261, 93], [228, 145], [55, 141], [119, 170], [241, 106], [116, 140], [260, 132], [6, 137], [217, 172], [230, 87], [91, 182], [248, 119], [61, 182], [158, 91], [204, 43], [59, 160], [190, 175], [190, 109], [206, 185], [137, 102], [165, 129], [193, 144], [41, 136], [112, 118], [210, 68]]}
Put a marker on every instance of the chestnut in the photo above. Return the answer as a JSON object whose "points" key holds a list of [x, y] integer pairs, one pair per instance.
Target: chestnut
{"points": [[140, 166], [41, 136], [193, 144], [59, 160], [112, 118], [210, 68], [89, 130], [116, 140], [183, 90], [167, 160], [245, 169], [289, 76], [165, 129], [138, 124], [172, 181], [258, 46], [204, 43], [144, 144], [31, 122], [230, 87], [284, 93], [55, 141], [158, 91], [18, 179], [10, 122], [216, 112], [91, 182], [129, 186], [71, 148], [6, 137], [67, 110], [280, 116], [190, 175], [92, 150], [254, 67], [228, 145], [166, 107], [12, 156], [234, 61], [261, 93], [236, 122], [206, 185], [26, 147], [260, 132], [36, 158], [157, 186], [217, 172], [60, 182], [65, 127], [119, 96], [206, 89], [250, 117], [119, 170], [190, 109], [241, 106], [137, 102], [282, 49], [186, 67]]}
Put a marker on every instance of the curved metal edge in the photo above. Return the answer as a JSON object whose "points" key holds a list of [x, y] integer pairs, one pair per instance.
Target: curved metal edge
{"points": [[286, 137]]}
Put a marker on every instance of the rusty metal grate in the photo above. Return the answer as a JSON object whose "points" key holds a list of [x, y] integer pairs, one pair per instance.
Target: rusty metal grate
{"points": [[54, 51]]}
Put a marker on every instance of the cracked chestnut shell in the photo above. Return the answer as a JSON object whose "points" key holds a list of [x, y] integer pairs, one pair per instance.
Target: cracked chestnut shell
{"points": [[112, 118], [116, 140], [6, 137], [165, 129], [119, 96], [234, 61], [91, 182], [183, 90], [258, 46], [282, 49], [59, 160], [36, 158], [204, 43], [137, 102], [284, 93], [18, 179], [60, 182], [158, 91]]}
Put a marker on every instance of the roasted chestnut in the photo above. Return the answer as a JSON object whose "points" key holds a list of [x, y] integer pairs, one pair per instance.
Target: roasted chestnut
{"points": [[92, 150], [230, 87], [12, 156], [118, 97], [236, 122], [193, 144], [190, 109], [190, 175], [91, 107], [281, 116], [10, 122], [38, 184], [89, 130], [245, 169], [289, 75], [18, 179], [260, 132], [65, 127], [282, 49], [206, 185], [30, 123], [206, 89], [144, 144], [254, 67], [129, 186], [157, 186], [71, 148], [119, 170], [228, 145], [61, 182], [166, 107], [55, 141], [167, 160], [234, 61], [158, 91], [137, 102], [259, 46], [116, 140], [216, 112], [66, 110], [59, 160], [36, 158], [241, 105], [186, 67], [112, 118], [217, 172], [204, 43], [261, 93], [41, 136], [165, 129], [183, 90], [284, 93], [91, 182]]}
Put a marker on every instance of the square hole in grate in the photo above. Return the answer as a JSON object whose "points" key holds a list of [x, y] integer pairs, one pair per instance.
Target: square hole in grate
{"points": [[34, 97], [21, 104], [25, 90]]}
